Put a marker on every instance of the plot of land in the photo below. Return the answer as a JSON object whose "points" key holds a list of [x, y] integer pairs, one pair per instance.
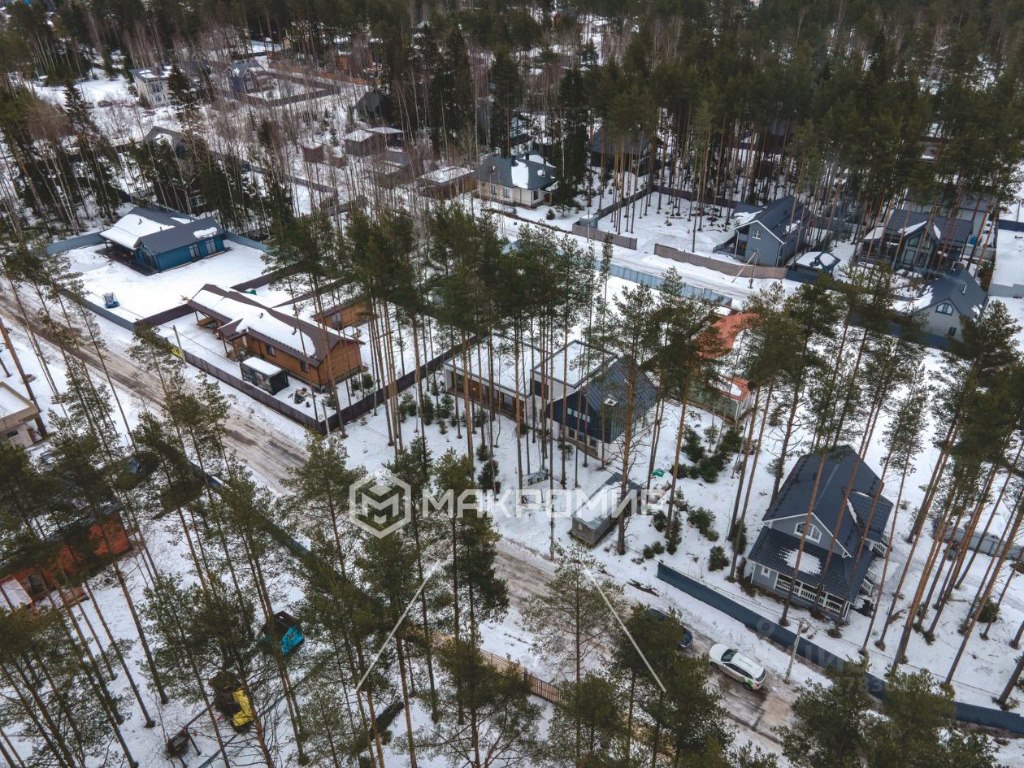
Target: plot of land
{"points": [[142, 295]]}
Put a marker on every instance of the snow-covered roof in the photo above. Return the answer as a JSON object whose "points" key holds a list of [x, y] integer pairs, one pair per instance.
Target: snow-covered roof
{"points": [[13, 404], [1009, 267], [359, 134], [504, 373], [958, 288], [572, 364], [261, 366], [239, 314], [158, 231], [529, 172], [821, 260], [446, 174], [129, 230]]}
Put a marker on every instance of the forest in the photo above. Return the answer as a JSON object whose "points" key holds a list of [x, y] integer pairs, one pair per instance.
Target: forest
{"points": [[158, 558]]}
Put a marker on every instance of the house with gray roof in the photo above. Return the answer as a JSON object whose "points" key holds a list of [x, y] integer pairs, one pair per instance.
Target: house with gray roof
{"points": [[633, 147], [518, 180], [586, 392], [246, 76], [943, 303], [918, 242], [157, 240], [848, 514], [772, 235]]}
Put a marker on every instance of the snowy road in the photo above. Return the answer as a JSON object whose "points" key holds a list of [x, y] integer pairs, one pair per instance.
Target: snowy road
{"points": [[270, 453]]}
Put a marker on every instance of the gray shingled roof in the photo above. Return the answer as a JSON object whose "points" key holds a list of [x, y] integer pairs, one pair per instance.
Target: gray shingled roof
{"points": [[776, 218], [611, 382], [495, 169], [950, 231], [795, 496], [843, 578], [961, 290], [180, 234]]}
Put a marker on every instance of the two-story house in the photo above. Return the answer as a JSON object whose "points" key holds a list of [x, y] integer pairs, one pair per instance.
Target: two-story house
{"points": [[848, 514]]}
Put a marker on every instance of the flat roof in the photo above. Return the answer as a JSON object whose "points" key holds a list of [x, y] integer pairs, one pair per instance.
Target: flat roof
{"points": [[1009, 266], [262, 366], [14, 405], [577, 361], [504, 364]]}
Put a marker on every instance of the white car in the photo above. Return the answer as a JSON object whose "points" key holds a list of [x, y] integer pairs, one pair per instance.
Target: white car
{"points": [[736, 665]]}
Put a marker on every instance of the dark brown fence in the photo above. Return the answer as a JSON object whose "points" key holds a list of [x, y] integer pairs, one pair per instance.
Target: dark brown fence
{"points": [[254, 392]]}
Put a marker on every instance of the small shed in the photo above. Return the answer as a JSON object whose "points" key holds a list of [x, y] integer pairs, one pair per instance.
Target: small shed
{"points": [[264, 375]]}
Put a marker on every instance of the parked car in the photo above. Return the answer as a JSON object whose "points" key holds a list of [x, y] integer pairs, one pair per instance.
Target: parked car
{"points": [[687, 639], [737, 666]]}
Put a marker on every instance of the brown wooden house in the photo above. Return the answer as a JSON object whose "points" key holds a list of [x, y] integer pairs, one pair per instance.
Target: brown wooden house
{"points": [[307, 351], [31, 573], [346, 314]]}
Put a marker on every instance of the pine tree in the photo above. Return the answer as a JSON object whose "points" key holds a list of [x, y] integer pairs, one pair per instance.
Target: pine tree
{"points": [[831, 721]]}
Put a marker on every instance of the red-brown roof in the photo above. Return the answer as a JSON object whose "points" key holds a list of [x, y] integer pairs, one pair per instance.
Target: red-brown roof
{"points": [[729, 327]]}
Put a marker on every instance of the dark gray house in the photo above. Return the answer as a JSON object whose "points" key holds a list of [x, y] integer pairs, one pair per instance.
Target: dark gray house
{"points": [[246, 76], [860, 539], [918, 242], [586, 391], [633, 148], [522, 180], [374, 107], [771, 236]]}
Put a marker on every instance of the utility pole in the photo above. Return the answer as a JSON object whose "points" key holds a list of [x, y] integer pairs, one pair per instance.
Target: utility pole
{"points": [[800, 629]]}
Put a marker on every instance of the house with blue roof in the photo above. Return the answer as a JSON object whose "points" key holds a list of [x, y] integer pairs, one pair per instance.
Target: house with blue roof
{"points": [[772, 235], [849, 515], [917, 241], [586, 393], [158, 240]]}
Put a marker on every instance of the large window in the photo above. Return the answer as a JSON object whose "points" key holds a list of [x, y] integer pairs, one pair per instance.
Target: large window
{"points": [[813, 534], [945, 308]]}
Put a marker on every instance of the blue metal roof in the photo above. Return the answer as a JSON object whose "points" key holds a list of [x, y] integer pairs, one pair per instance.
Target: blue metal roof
{"points": [[866, 515], [842, 579]]}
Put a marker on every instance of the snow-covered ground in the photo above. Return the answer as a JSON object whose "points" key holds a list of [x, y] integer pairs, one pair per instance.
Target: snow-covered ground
{"points": [[144, 295]]}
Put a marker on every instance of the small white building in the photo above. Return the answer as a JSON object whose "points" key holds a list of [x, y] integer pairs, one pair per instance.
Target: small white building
{"points": [[523, 180], [1008, 271], [151, 84]]}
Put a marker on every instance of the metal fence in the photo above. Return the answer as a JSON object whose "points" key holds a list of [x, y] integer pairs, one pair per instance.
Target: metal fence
{"points": [[768, 629], [655, 281], [726, 268]]}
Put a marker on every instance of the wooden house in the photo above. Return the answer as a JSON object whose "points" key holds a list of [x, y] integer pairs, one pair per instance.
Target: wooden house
{"points": [[314, 354], [32, 572], [345, 314]]}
